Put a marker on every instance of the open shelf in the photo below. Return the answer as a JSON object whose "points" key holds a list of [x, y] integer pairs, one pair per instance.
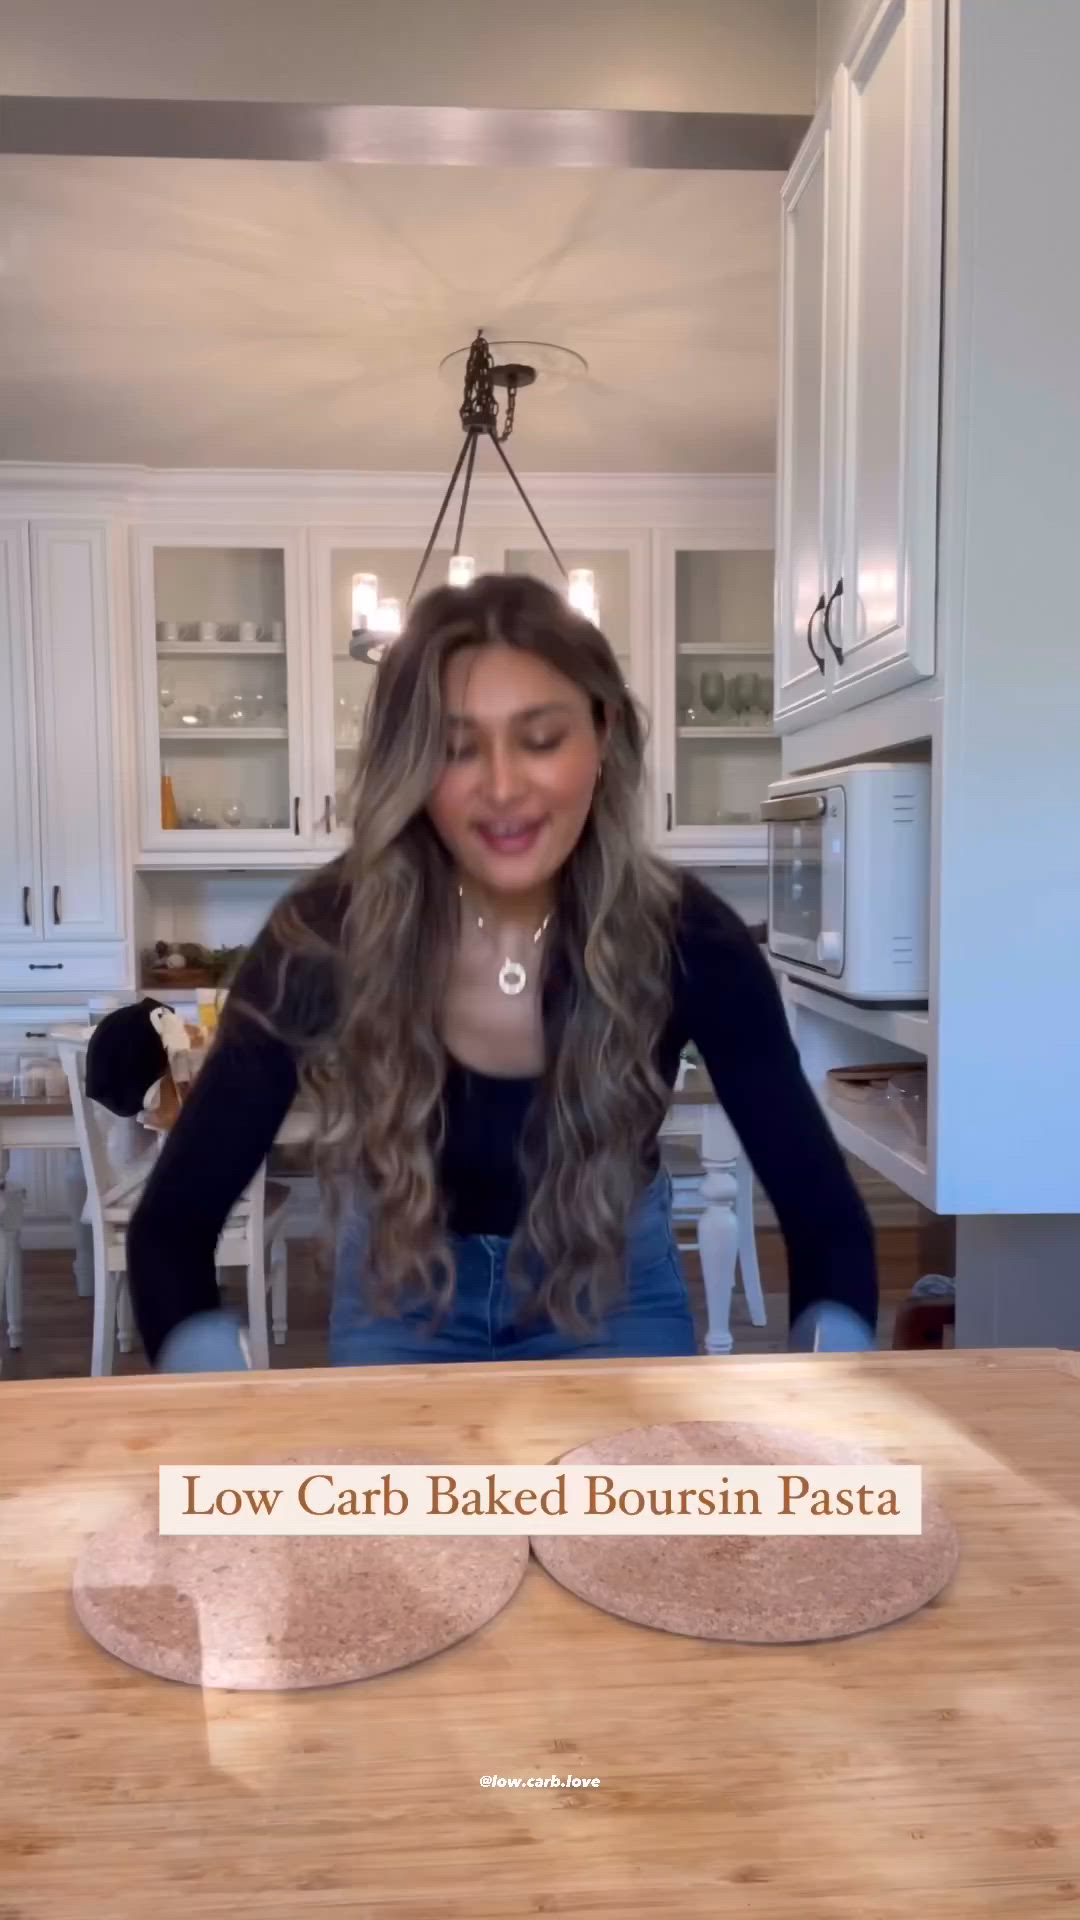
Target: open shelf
{"points": [[175, 734], [703, 651], [219, 649], [728, 733], [888, 1148], [904, 1027]]}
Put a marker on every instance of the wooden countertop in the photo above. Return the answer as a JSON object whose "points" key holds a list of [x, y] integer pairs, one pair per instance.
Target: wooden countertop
{"points": [[931, 1767]]}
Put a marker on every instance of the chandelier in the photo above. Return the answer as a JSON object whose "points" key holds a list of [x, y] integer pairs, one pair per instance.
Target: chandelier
{"points": [[375, 621]]}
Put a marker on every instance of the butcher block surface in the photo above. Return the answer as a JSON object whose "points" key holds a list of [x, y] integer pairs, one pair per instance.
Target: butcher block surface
{"points": [[932, 1766]]}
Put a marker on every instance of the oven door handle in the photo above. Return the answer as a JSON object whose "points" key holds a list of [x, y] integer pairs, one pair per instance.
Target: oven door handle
{"points": [[795, 806]]}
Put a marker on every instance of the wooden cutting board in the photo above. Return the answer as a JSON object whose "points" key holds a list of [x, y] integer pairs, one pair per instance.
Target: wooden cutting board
{"points": [[931, 1768]]}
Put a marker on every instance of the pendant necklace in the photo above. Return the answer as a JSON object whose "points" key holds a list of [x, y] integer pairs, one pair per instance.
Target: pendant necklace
{"points": [[512, 975]]}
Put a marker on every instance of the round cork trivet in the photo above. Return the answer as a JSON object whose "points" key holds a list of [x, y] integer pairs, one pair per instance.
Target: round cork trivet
{"points": [[748, 1587], [278, 1612]]}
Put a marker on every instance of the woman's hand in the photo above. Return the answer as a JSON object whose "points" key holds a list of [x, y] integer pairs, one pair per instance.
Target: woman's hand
{"points": [[828, 1327], [206, 1343]]}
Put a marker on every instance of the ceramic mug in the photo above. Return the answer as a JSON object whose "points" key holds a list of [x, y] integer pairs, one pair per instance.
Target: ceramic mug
{"points": [[247, 633], [209, 630], [168, 633]]}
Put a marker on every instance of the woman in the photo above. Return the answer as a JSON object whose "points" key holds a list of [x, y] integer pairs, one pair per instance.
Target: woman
{"points": [[485, 999]]}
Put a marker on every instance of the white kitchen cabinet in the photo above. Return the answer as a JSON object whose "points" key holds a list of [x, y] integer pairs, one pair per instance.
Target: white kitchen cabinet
{"points": [[61, 907], [715, 746], [20, 878], [221, 647], [858, 418], [809, 377]]}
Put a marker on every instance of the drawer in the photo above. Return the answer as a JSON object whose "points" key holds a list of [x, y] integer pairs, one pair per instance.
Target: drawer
{"points": [[57, 969]]}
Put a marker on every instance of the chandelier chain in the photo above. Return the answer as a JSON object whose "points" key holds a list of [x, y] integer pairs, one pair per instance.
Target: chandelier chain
{"points": [[479, 415], [479, 407]]}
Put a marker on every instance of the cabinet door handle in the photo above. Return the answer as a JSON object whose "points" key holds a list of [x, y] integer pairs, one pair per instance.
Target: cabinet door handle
{"points": [[327, 814], [56, 914], [669, 813], [818, 658], [296, 814], [834, 595], [26, 907], [46, 966]]}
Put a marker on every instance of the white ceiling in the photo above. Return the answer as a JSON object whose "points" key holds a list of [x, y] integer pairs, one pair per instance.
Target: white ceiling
{"points": [[199, 314]]}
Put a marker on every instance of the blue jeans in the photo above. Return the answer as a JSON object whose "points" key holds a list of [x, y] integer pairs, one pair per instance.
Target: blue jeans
{"points": [[650, 1318]]}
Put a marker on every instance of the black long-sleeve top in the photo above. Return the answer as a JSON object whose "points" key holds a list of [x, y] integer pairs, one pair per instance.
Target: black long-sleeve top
{"points": [[724, 1000]]}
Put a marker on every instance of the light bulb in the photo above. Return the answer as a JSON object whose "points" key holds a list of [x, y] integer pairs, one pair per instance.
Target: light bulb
{"points": [[462, 570], [365, 599], [581, 593], [387, 617]]}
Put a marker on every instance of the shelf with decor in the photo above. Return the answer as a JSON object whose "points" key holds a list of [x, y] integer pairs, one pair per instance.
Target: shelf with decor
{"points": [[726, 733], [224, 650], [196, 736]]}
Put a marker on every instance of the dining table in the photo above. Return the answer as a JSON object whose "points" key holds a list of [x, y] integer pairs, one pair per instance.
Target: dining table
{"points": [[927, 1767]]}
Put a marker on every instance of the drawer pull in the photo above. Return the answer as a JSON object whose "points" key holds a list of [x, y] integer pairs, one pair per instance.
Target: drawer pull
{"points": [[46, 966], [834, 595], [818, 658]]}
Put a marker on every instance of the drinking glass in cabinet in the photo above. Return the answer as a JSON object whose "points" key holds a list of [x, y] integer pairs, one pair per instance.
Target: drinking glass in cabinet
{"points": [[713, 690]]}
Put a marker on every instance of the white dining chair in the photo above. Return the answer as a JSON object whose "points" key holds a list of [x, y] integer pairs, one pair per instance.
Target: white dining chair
{"points": [[713, 1200], [252, 1238]]}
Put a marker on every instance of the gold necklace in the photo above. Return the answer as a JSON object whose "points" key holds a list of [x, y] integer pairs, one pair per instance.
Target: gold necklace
{"points": [[512, 975]]}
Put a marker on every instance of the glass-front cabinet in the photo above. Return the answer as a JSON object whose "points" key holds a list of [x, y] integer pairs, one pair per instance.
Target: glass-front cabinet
{"points": [[220, 654], [361, 584], [359, 575], [255, 669], [714, 697]]}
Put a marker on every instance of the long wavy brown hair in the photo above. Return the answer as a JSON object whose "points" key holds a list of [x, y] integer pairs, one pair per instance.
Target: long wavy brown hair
{"points": [[376, 1070]]}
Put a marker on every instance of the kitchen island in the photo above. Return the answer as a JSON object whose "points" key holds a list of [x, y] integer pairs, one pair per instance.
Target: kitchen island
{"points": [[933, 1766]]}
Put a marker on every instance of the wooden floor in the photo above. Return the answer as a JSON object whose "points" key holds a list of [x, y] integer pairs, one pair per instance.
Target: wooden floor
{"points": [[57, 1323]]}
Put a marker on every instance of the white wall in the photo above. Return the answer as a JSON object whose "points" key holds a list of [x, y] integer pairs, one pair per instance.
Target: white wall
{"points": [[1008, 933], [748, 56]]}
